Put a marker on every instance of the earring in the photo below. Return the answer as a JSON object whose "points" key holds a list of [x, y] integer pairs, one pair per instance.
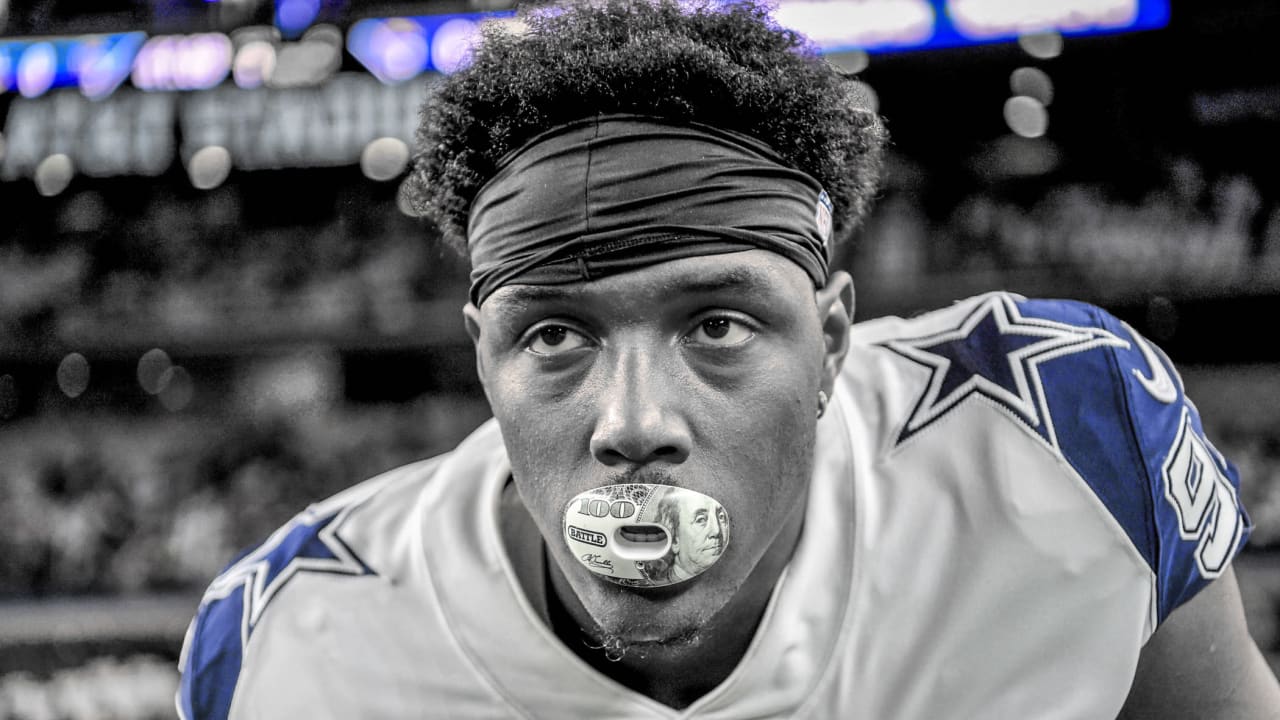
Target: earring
{"points": [[822, 402]]}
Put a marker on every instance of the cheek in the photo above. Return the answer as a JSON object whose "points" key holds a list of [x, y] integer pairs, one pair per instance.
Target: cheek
{"points": [[542, 436], [769, 457], [772, 416], [534, 425]]}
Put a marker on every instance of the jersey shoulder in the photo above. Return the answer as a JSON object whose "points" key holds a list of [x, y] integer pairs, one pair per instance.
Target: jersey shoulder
{"points": [[1095, 393], [316, 540]]}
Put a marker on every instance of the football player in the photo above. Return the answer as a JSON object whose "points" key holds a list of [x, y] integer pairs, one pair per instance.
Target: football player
{"points": [[1003, 509]]}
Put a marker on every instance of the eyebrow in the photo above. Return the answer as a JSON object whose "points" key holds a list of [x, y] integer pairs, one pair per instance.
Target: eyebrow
{"points": [[739, 278], [518, 298]]}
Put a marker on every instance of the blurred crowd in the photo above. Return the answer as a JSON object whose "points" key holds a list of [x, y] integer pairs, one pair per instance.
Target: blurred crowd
{"points": [[193, 266], [135, 688], [209, 263], [1188, 234], [109, 505]]}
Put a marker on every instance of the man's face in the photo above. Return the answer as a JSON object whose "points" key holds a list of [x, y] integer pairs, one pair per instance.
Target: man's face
{"points": [[700, 372], [699, 539]]}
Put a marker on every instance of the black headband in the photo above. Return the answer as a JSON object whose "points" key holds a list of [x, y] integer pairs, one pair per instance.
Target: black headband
{"points": [[618, 192]]}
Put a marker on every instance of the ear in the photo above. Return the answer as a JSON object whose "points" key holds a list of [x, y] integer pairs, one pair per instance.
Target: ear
{"points": [[471, 318], [835, 312]]}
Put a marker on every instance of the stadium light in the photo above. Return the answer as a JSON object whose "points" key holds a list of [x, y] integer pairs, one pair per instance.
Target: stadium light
{"points": [[54, 174], [1042, 45], [451, 43], [398, 49], [1033, 82], [152, 369], [37, 69], [1026, 116], [178, 389], [73, 375], [384, 158], [97, 64], [255, 55], [254, 64], [294, 16], [209, 167], [311, 60], [183, 62]]}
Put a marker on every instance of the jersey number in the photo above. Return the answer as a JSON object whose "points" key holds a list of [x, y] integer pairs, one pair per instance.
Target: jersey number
{"points": [[1203, 499]]}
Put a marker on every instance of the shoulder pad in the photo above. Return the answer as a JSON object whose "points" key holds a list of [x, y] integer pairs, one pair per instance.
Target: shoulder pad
{"points": [[1105, 400]]}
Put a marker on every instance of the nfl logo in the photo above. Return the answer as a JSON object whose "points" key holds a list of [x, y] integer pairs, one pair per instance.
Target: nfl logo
{"points": [[822, 213]]}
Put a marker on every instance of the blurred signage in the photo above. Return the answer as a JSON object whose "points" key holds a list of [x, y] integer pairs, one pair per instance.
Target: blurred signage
{"points": [[96, 64], [889, 25], [835, 25], [129, 133], [300, 127], [135, 133], [992, 20], [396, 49]]}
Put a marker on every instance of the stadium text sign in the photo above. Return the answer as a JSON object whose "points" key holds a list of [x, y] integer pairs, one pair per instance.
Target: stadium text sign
{"points": [[135, 133], [128, 133]]}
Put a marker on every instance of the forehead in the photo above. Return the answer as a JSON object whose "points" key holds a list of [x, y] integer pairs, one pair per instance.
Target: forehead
{"points": [[751, 274]]}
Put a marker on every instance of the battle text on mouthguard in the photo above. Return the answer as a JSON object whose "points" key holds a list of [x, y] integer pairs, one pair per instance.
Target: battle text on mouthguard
{"points": [[646, 535]]}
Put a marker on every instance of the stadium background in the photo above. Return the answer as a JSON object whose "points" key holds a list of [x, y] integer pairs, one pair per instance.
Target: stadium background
{"points": [[214, 309]]}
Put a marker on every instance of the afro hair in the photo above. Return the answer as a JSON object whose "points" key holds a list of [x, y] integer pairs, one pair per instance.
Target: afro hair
{"points": [[725, 65]]}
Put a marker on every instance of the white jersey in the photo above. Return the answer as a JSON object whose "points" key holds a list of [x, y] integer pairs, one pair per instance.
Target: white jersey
{"points": [[1008, 497]]}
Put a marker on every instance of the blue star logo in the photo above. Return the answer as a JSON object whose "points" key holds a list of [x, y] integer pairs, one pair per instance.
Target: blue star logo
{"points": [[213, 651], [995, 353], [308, 543]]}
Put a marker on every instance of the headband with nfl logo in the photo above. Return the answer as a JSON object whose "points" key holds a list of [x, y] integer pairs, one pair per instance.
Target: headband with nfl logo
{"points": [[614, 193]]}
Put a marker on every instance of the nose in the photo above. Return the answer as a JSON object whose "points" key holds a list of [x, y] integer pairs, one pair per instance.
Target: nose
{"points": [[716, 527], [641, 413]]}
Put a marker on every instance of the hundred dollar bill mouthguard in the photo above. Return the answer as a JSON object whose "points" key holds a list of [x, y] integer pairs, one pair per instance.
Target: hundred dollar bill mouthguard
{"points": [[645, 535]]}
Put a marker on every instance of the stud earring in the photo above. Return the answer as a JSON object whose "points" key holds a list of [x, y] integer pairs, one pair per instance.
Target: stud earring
{"points": [[822, 402]]}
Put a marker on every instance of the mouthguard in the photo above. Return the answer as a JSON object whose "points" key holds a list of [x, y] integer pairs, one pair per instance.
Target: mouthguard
{"points": [[645, 535]]}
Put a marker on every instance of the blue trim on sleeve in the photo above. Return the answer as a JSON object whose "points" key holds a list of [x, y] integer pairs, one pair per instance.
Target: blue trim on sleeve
{"points": [[1127, 427], [213, 660], [1093, 426]]}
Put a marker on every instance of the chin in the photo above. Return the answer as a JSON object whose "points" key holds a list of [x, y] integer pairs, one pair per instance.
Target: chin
{"points": [[649, 635], [666, 616]]}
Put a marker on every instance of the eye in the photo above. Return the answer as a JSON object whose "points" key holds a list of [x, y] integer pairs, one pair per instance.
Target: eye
{"points": [[555, 339], [721, 331]]}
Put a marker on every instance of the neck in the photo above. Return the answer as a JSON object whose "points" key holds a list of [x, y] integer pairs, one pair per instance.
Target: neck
{"points": [[677, 673]]}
